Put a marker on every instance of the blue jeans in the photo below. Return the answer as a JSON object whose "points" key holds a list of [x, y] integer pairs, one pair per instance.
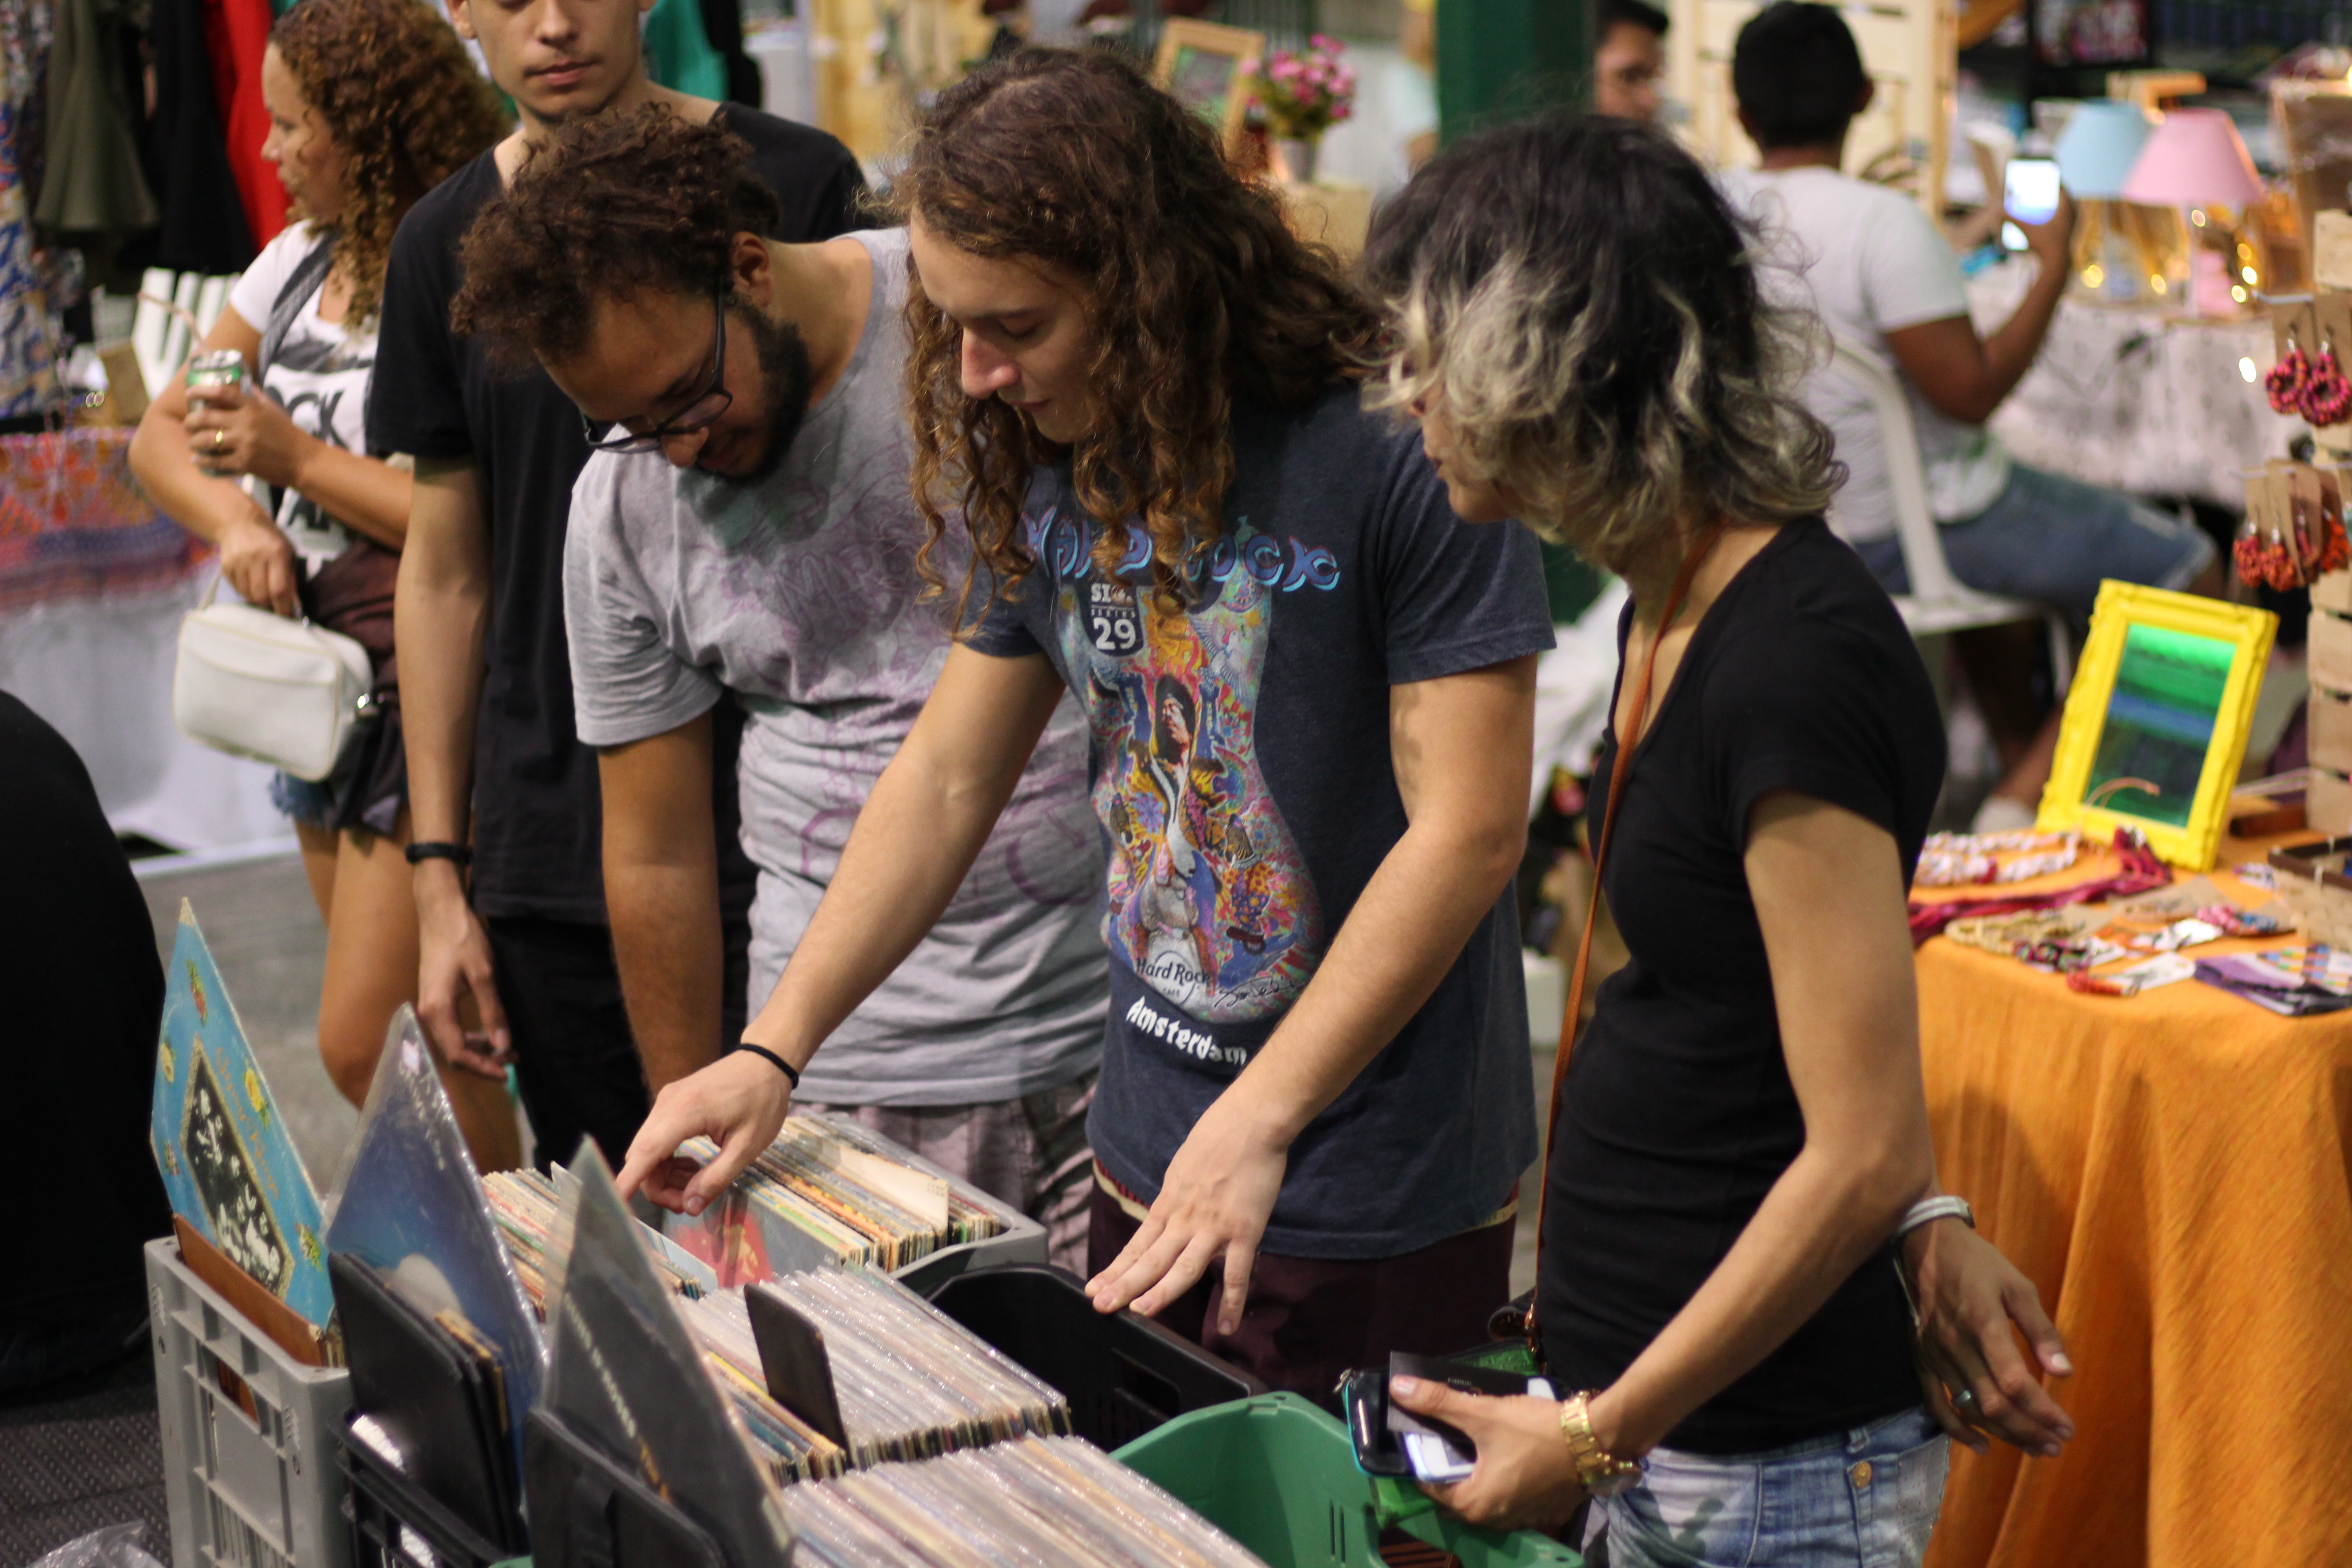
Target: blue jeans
{"points": [[2050, 540], [1863, 1498]]}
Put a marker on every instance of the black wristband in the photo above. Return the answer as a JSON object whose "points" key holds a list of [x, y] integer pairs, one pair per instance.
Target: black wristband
{"points": [[432, 849], [781, 1066]]}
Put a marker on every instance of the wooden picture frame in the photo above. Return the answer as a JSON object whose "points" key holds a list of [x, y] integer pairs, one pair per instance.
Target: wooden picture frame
{"points": [[1205, 67], [2156, 723]]}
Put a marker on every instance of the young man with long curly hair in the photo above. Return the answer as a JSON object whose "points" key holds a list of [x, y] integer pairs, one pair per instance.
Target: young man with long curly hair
{"points": [[745, 532], [1309, 688], [496, 774]]}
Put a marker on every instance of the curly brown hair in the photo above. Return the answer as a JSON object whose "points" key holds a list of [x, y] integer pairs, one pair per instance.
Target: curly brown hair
{"points": [[403, 102], [1196, 291], [609, 206]]}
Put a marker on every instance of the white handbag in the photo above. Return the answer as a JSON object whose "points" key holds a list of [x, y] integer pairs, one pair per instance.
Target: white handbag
{"points": [[280, 692]]}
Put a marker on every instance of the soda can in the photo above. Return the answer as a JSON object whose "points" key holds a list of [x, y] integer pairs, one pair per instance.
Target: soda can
{"points": [[218, 367]]}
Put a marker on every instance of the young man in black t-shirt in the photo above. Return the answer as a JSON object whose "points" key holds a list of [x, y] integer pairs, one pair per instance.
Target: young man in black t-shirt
{"points": [[487, 694]]}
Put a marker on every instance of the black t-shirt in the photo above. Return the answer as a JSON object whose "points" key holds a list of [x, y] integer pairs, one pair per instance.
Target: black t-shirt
{"points": [[537, 824], [1678, 1113], [85, 1004]]}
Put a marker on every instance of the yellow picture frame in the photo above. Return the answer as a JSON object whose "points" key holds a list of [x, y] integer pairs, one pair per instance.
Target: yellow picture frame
{"points": [[1206, 67], [2156, 722]]}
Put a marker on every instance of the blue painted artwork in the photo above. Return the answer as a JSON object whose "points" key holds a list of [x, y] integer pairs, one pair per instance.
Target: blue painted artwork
{"points": [[228, 1166]]}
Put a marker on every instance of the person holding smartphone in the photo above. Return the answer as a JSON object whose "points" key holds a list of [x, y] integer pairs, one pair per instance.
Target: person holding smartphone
{"points": [[1872, 265]]}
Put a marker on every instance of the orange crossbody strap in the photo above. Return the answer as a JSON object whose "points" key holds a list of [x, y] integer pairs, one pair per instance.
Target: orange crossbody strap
{"points": [[1636, 722]]}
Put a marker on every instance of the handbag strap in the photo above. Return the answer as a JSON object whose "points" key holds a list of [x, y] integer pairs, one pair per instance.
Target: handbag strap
{"points": [[1636, 722], [309, 275]]}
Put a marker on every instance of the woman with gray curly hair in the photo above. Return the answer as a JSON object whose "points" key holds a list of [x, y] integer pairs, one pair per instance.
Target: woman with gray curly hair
{"points": [[1740, 1140]]}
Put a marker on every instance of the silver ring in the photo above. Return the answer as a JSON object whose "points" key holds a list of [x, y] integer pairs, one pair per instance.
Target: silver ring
{"points": [[1966, 1399]]}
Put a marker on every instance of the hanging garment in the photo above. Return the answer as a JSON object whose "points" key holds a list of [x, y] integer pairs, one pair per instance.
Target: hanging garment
{"points": [[205, 227], [722, 23], [236, 34], [92, 182], [679, 53], [26, 30]]}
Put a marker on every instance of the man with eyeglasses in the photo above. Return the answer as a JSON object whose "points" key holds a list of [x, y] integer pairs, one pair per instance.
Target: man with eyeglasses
{"points": [[518, 964], [746, 529]]}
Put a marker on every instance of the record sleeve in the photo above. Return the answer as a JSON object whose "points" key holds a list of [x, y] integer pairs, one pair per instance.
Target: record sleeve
{"points": [[228, 1164]]}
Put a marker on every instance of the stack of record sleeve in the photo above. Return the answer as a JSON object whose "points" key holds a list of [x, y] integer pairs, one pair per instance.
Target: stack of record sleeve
{"points": [[525, 1204], [1042, 1501], [908, 1380], [852, 1194]]}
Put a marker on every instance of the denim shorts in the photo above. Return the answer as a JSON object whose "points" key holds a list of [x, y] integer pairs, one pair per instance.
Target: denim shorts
{"points": [[2050, 540], [1867, 1498]]}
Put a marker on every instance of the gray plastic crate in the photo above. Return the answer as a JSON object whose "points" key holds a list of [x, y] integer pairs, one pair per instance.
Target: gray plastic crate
{"points": [[249, 1433]]}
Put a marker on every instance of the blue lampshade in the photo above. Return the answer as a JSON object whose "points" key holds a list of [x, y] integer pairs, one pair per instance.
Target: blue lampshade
{"points": [[2099, 146]]}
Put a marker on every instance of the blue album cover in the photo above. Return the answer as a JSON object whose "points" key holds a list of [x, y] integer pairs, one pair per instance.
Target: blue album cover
{"points": [[413, 1207], [228, 1166]]}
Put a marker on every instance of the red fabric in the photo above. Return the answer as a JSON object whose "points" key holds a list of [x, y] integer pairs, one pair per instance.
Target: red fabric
{"points": [[236, 34], [2137, 871]]}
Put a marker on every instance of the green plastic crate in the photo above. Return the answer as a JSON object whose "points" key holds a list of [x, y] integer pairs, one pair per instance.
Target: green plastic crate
{"points": [[1279, 1476]]}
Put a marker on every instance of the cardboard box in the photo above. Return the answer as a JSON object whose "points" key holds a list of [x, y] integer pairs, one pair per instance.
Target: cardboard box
{"points": [[2330, 651], [2331, 248], [2327, 804], [2330, 720], [2333, 589]]}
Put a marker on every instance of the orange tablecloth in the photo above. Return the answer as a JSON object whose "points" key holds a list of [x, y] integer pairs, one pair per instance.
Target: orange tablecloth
{"points": [[2174, 1170]]}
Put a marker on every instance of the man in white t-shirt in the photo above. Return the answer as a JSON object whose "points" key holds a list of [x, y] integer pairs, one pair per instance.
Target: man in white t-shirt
{"points": [[1870, 263]]}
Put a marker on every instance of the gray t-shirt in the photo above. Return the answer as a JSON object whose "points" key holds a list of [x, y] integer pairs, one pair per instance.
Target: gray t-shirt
{"points": [[799, 594]]}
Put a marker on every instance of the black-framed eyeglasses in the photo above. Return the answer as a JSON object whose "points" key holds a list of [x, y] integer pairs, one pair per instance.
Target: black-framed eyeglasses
{"points": [[708, 405]]}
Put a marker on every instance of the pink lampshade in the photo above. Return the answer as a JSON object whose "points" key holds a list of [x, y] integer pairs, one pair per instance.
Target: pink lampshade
{"points": [[2193, 159]]}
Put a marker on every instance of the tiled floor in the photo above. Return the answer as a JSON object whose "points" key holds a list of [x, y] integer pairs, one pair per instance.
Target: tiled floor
{"points": [[84, 1455], [271, 949]]}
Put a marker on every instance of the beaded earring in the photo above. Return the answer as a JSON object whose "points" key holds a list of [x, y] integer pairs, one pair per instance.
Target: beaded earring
{"points": [[2326, 395], [2285, 380]]}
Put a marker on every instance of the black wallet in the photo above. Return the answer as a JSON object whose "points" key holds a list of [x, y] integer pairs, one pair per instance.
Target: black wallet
{"points": [[438, 1395], [1379, 1430]]}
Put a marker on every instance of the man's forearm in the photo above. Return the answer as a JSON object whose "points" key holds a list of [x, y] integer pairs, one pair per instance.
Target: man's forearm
{"points": [[440, 612], [2010, 352], [666, 942]]}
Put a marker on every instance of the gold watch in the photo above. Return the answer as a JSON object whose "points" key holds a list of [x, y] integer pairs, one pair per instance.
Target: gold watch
{"points": [[1601, 1472]]}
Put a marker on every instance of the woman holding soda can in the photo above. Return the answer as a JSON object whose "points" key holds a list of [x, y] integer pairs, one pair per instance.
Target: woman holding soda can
{"points": [[261, 451]]}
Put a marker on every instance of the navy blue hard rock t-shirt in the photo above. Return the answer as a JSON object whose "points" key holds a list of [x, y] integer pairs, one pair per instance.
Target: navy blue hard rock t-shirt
{"points": [[1241, 772]]}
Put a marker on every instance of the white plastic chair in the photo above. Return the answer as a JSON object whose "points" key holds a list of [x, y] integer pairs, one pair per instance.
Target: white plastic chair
{"points": [[159, 332], [1938, 602]]}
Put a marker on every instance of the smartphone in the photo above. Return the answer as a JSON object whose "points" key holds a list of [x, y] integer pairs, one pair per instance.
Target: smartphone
{"points": [[2031, 196], [1391, 1441]]}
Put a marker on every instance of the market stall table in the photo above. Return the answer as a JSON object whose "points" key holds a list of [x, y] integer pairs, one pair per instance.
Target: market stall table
{"points": [[2174, 1170], [93, 582], [2139, 398]]}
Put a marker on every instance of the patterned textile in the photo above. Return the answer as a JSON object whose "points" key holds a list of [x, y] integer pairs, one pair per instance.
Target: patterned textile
{"points": [[25, 352], [2136, 398], [73, 523]]}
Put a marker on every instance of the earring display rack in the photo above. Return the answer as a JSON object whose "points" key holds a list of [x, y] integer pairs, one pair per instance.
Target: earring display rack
{"points": [[2313, 325]]}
